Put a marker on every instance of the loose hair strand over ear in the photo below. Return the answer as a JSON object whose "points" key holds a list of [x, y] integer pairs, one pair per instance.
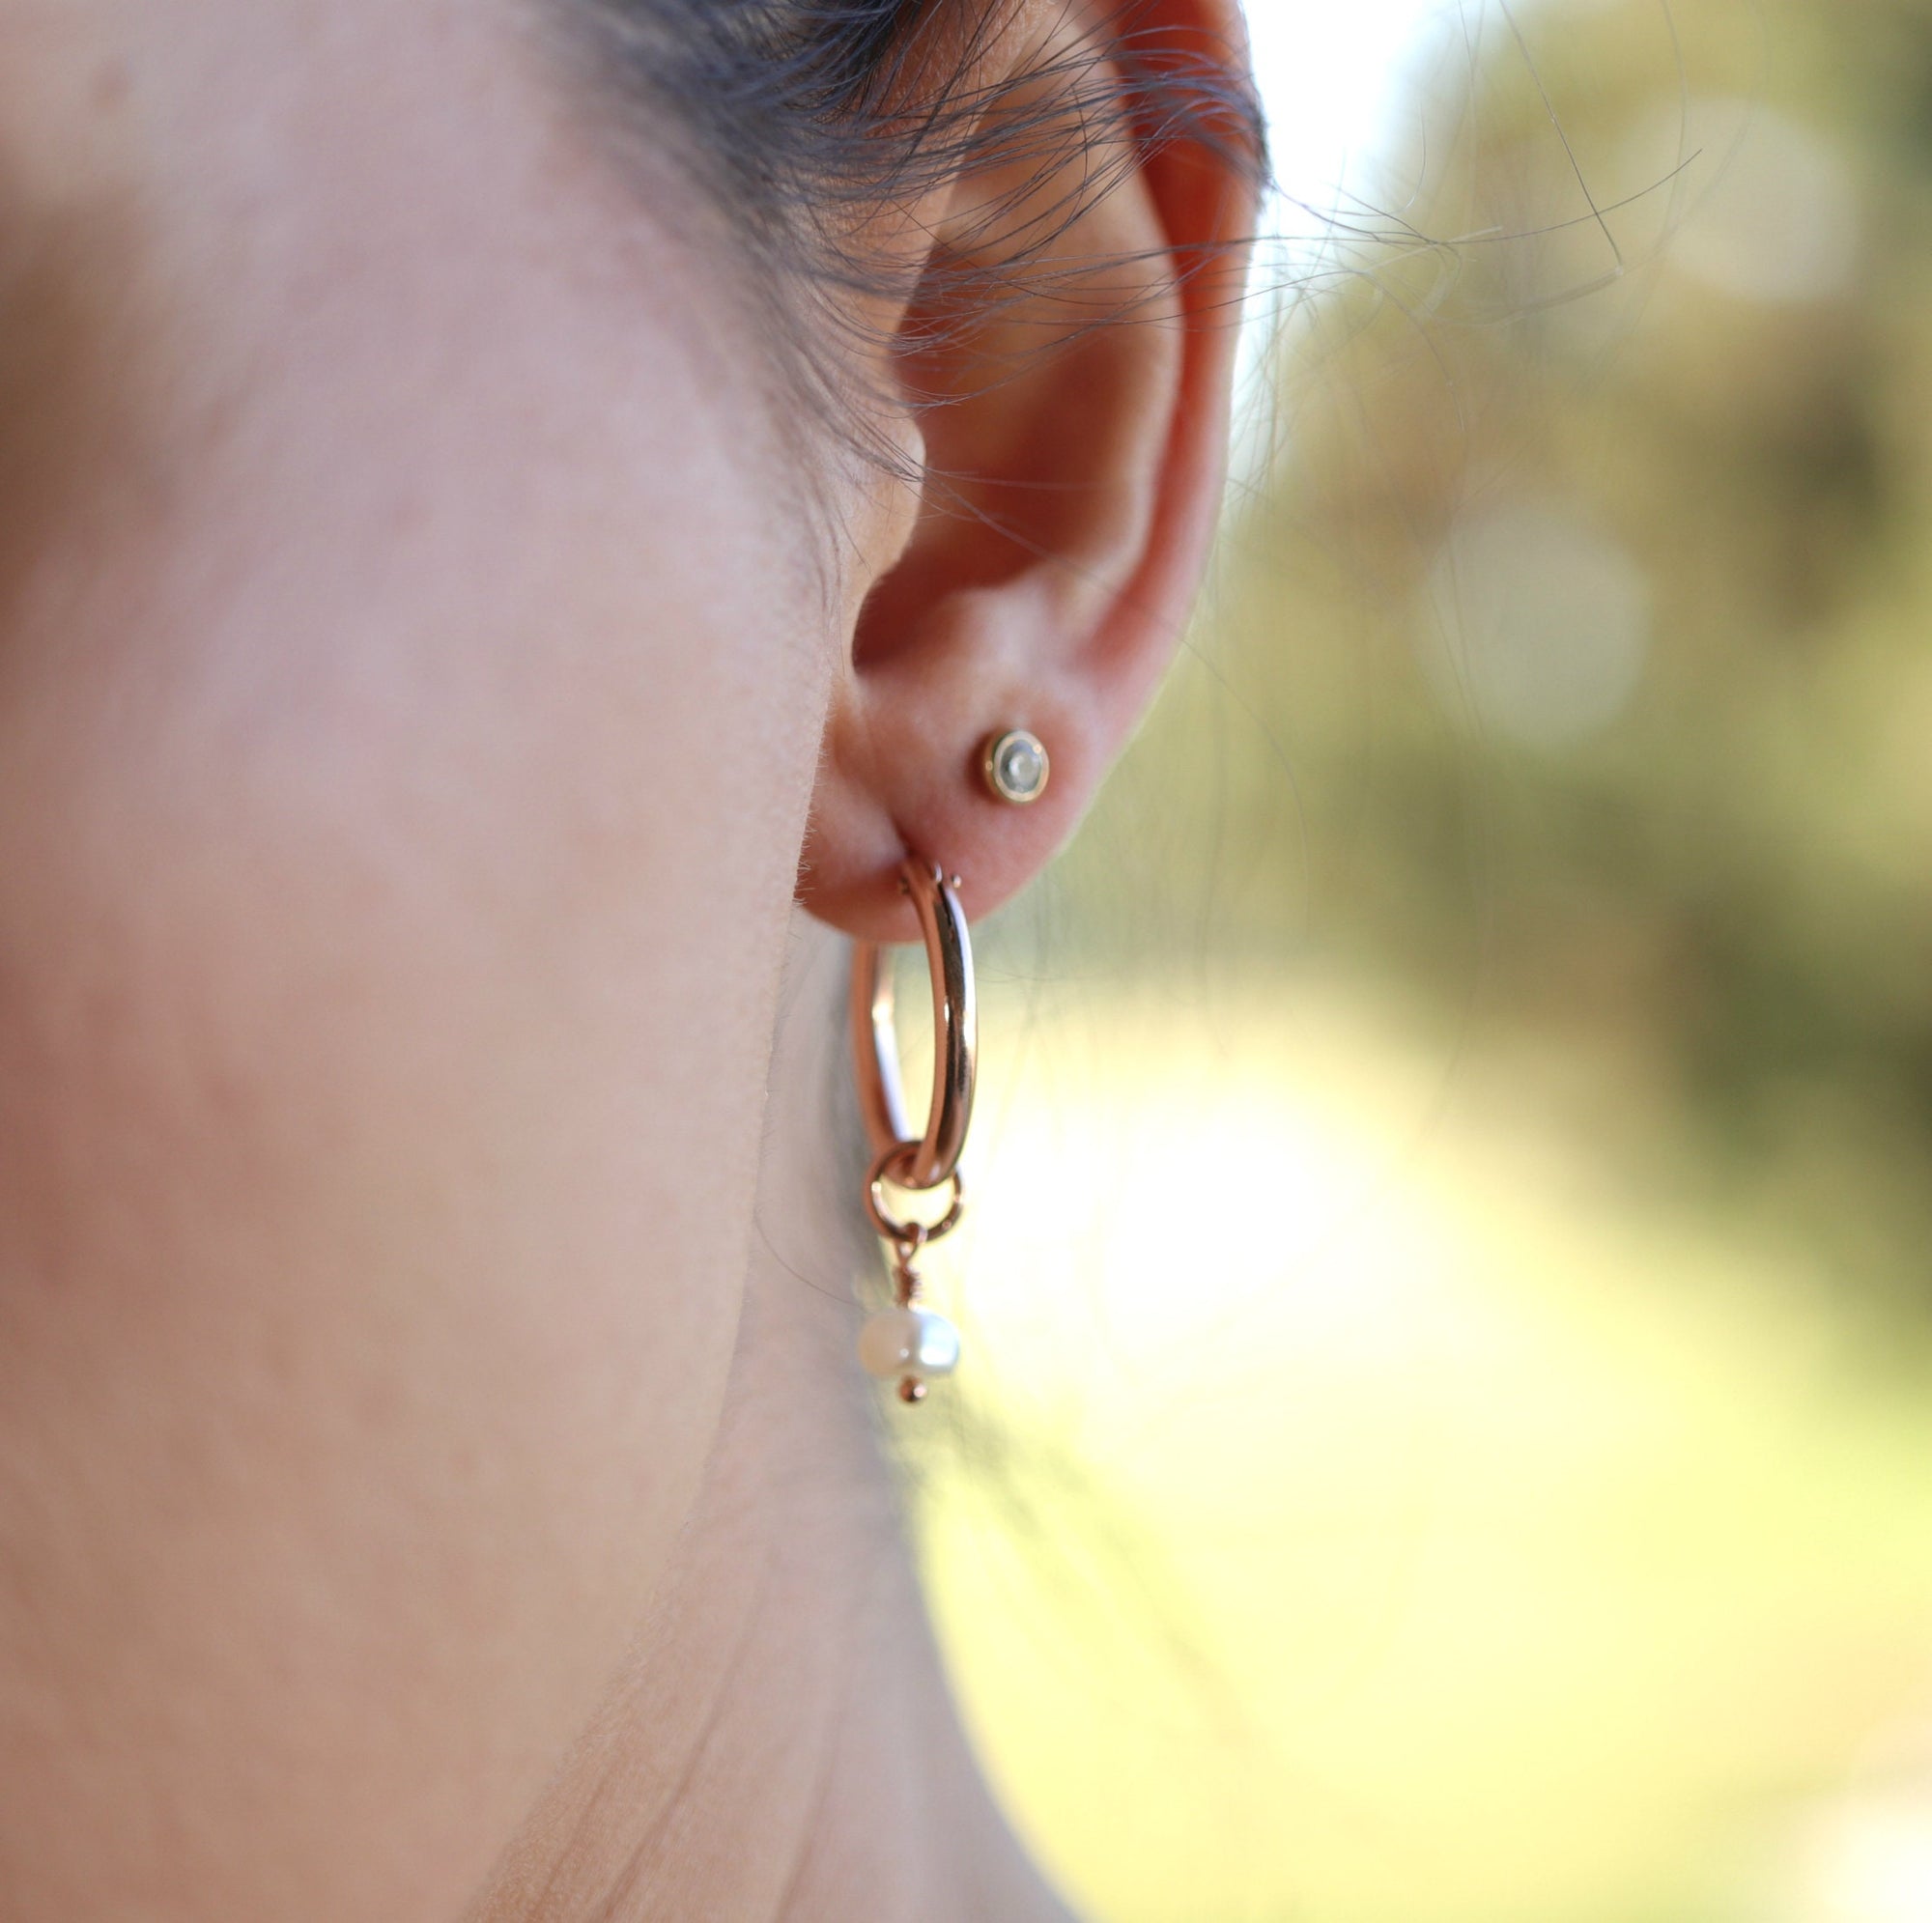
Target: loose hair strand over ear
{"points": [[803, 120]]}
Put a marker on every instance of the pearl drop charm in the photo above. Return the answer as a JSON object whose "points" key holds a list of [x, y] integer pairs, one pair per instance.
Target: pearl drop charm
{"points": [[911, 1343]]}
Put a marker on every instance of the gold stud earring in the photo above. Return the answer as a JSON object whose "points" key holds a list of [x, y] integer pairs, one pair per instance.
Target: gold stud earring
{"points": [[1015, 766]]}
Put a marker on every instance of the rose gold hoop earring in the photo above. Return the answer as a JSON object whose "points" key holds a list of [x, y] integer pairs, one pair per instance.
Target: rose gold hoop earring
{"points": [[905, 1340]]}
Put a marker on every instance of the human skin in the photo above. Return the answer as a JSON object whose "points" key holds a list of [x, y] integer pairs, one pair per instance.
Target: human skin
{"points": [[423, 684]]}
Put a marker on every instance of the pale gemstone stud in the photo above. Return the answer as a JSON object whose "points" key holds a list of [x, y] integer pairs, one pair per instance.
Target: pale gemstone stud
{"points": [[1016, 766], [912, 1343]]}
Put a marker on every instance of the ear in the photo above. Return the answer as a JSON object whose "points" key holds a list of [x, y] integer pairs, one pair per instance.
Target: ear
{"points": [[1067, 358]]}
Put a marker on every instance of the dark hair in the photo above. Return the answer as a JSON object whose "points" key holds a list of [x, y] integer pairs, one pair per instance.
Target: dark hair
{"points": [[801, 117]]}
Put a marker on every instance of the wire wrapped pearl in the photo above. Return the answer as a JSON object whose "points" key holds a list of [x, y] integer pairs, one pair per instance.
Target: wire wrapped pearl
{"points": [[908, 1343]]}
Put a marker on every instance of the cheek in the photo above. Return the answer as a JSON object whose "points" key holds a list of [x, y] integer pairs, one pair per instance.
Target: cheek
{"points": [[402, 769], [343, 1114], [380, 1080], [353, 1326]]}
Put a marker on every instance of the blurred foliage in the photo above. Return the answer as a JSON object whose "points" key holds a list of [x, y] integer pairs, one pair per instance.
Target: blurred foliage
{"points": [[1649, 284], [1467, 1157], [1464, 1160]]}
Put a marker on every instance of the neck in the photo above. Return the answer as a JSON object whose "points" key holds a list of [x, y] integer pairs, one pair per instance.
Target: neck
{"points": [[782, 1744]]}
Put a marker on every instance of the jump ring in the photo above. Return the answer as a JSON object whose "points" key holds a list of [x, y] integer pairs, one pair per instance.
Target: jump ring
{"points": [[891, 1228]]}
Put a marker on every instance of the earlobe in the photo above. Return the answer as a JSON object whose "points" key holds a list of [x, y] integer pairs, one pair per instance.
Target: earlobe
{"points": [[1073, 418]]}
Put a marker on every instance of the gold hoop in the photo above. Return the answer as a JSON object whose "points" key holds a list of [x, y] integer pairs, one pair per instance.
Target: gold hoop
{"points": [[927, 1161]]}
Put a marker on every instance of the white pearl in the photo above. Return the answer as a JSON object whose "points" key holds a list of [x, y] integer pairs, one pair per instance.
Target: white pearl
{"points": [[938, 1345], [897, 1342], [889, 1341]]}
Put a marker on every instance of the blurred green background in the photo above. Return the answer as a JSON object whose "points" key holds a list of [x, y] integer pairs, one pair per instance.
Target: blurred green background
{"points": [[1449, 1428]]}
